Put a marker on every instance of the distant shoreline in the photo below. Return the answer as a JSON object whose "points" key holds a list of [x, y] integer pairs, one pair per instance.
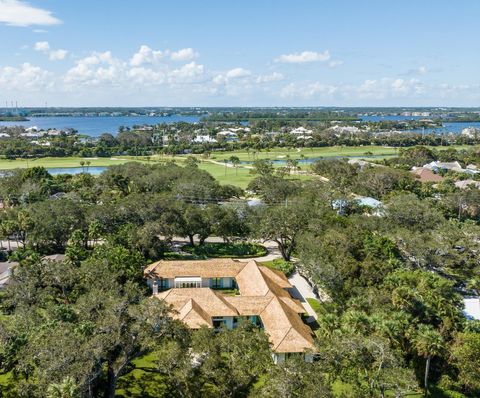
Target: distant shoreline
{"points": [[13, 119]]}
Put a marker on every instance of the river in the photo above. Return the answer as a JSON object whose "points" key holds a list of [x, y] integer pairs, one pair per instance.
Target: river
{"points": [[448, 127], [95, 126]]}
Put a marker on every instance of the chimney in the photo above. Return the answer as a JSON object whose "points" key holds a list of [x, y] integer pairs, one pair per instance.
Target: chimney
{"points": [[155, 286]]}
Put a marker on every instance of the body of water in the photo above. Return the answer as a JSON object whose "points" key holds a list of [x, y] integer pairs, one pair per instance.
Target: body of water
{"points": [[448, 127], [95, 126], [389, 118], [95, 170]]}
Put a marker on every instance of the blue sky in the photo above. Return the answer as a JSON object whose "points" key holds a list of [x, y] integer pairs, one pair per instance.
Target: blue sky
{"points": [[243, 53]]}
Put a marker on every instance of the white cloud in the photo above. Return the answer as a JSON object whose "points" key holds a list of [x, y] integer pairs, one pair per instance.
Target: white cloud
{"points": [[185, 54], [273, 77], [422, 70], [42, 46], [141, 75], [390, 88], [53, 55], [188, 73], [237, 73], [334, 63], [57, 55], [146, 55], [26, 77], [305, 56], [308, 91], [96, 69], [230, 75], [20, 13]]}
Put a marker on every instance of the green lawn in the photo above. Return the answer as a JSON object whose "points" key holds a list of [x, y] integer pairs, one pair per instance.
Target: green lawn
{"points": [[6, 164], [141, 380], [296, 153], [225, 175], [240, 177], [334, 151], [316, 306], [281, 265]]}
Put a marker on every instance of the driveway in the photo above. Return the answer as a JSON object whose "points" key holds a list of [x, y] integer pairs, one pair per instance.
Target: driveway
{"points": [[301, 291]]}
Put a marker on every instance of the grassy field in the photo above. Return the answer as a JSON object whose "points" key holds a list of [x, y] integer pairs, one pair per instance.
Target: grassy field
{"points": [[228, 175], [6, 164], [309, 153], [225, 175]]}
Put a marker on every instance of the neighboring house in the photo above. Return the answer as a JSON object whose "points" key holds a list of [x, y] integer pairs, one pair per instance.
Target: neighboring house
{"points": [[228, 136], [344, 129], [302, 133], [471, 132], [376, 207], [194, 289], [437, 166], [6, 270], [57, 195], [472, 307], [472, 167], [467, 183], [362, 163], [55, 257], [343, 205], [426, 175], [203, 139]]}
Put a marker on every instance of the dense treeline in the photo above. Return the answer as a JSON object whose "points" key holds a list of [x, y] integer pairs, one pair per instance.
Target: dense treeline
{"points": [[391, 282], [179, 138]]}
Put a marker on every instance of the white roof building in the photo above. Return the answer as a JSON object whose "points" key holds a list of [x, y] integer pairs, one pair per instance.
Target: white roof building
{"points": [[203, 139], [467, 183], [302, 133], [472, 308], [471, 132], [436, 165]]}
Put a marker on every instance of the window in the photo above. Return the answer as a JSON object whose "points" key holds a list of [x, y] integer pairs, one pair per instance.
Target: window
{"points": [[216, 283], [218, 321], [163, 284]]}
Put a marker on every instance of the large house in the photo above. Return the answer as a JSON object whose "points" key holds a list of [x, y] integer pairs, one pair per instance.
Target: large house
{"points": [[255, 292]]}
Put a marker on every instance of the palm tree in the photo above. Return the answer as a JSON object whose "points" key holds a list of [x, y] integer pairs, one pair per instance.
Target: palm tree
{"points": [[82, 164], [66, 389], [235, 161], [88, 164], [428, 343]]}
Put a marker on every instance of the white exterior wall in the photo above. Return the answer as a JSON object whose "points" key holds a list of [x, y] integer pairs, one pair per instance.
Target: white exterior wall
{"points": [[279, 357]]}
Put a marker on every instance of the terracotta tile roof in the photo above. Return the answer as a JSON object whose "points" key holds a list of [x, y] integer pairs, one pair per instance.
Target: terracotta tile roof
{"points": [[262, 292], [204, 268], [250, 281], [286, 330], [426, 175], [212, 303], [194, 315], [249, 305]]}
